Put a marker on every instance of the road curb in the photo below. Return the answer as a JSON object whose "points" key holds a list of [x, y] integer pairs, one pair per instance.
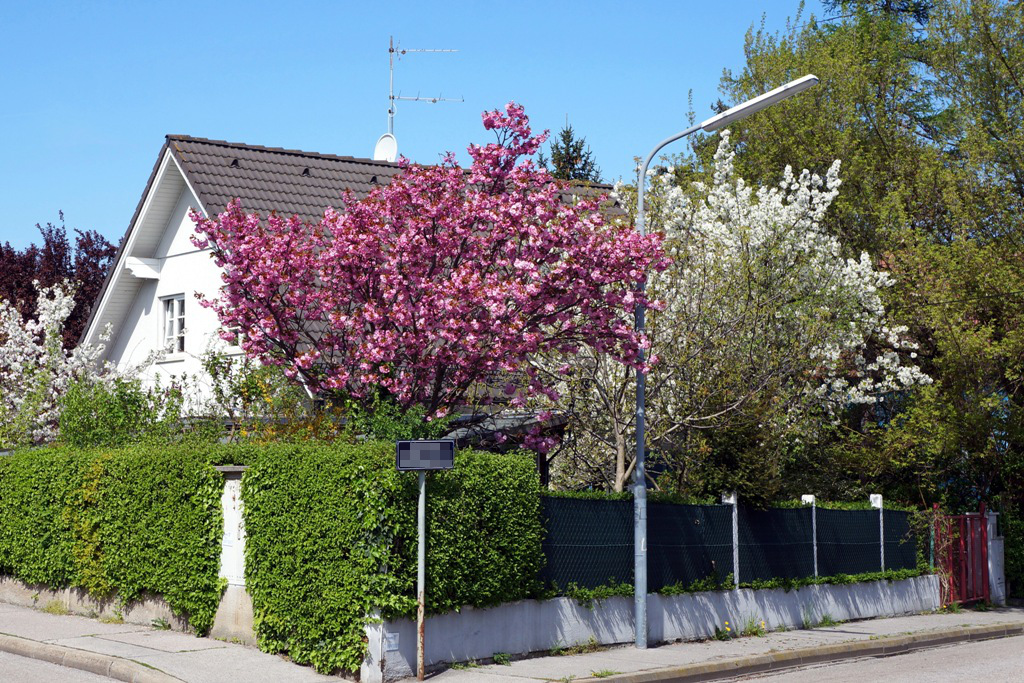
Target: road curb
{"points": [[787, 659], [117, 668]]}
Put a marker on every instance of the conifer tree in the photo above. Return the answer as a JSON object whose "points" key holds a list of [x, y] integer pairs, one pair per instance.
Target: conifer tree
{"points": [[571, 158]]}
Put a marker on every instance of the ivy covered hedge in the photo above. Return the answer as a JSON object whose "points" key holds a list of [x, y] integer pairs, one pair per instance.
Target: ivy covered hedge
{"points": [[117, 523], [332, 537]]}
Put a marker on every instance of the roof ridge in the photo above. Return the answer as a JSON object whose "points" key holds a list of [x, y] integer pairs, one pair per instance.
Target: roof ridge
{"points": [[281, 150]]}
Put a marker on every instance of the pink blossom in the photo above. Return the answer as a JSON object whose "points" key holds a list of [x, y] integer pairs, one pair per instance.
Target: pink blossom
{"points": [[432, 284]]}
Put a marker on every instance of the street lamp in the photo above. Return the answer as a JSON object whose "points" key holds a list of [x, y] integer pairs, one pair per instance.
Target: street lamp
{"points": [[639, 483]]}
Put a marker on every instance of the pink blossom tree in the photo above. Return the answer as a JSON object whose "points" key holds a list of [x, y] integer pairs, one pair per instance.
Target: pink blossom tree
{"points": [[430, 287]]}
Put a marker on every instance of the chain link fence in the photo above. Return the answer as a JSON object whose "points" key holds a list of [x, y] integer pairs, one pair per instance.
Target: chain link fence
{"points": [[589, 542]]}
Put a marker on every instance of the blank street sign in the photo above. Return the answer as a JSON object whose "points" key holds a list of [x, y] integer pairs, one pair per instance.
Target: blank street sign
{"points": [[425, 455]]}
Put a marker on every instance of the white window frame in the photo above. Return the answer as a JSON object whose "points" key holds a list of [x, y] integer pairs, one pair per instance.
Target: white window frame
{"points": [[172, 323]]}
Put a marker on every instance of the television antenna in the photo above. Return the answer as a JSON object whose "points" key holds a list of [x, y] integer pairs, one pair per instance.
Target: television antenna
{"points": [[387, 145]]}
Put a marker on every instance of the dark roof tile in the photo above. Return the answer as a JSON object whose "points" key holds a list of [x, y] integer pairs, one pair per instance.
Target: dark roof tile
{"points": [[270, 178]]}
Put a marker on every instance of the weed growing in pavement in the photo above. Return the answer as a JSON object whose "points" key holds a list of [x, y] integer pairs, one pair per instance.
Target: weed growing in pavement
{"points": [[116, 619], [55, 607], [471, 664], [827, 621], [161, 624], [951, 608], [583, 648], [755, 627], [725, 633], [604, 673], [502, 658]]}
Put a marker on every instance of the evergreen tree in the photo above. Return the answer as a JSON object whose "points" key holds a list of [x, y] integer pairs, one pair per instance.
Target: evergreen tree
{"points": [[571, 158]]}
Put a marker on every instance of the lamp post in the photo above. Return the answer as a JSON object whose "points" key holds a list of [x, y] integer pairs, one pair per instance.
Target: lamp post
{"points": [[639, 475]]}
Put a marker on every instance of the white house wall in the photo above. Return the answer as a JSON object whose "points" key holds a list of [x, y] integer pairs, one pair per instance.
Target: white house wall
{"points": [[183, 270]]}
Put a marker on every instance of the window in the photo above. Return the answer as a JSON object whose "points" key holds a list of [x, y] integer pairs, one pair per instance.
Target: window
{"points": [[174, 324]]}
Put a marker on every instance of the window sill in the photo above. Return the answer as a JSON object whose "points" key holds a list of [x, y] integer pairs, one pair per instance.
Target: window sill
{"points": [[172, 358]]}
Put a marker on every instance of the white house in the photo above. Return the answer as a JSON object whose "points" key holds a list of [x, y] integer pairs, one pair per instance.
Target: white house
{"points": [[149, 297]]}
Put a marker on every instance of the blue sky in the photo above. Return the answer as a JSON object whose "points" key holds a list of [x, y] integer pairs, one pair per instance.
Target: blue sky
{"points": [[89, 89]]}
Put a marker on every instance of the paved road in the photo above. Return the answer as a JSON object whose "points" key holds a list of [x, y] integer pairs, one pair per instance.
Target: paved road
{"points": [[15, 669], [991, 661]]}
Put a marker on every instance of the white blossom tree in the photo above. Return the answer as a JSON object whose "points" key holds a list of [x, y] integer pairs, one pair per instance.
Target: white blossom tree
{"points": [[763, 323], [35, 369]]}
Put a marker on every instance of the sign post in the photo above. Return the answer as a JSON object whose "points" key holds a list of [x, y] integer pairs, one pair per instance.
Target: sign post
{"points": [[421, 457]]}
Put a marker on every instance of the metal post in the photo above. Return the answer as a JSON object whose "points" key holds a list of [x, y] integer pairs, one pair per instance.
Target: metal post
{"points": [[814, 528], [639, 469], [639, 473], [876, 502], [421, 577], [733, 499], [985, 555]]}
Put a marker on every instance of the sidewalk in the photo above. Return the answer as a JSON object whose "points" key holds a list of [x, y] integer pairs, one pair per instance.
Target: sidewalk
{"points": [[743, 656], [139, 654]]}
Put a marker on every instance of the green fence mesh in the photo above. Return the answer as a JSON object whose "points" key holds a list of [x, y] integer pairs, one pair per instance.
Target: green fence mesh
{"points": [[590, 542], [687, 543], [848, 542], [900, 544], [775, 544]]}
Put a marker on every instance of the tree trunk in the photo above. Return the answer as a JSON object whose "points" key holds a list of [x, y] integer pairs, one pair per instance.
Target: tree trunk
{"points": [[620, 459]]}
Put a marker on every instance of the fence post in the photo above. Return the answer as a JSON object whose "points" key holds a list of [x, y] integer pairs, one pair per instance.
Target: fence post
{"points": [[733, 499], [876, 502], [983, 521], [807, 498]]}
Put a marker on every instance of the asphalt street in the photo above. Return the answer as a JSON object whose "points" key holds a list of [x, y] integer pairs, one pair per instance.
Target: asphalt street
{"points": [[991, 661], [15, 669]]}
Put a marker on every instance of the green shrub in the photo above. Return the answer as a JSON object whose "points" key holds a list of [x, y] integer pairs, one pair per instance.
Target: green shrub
{"points": [[117, 523], [117, 413], [331, 536], [1012, 526]]}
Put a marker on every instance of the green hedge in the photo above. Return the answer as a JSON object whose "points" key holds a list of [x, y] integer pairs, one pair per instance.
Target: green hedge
{"points": [[116, 523], [331, 536]]}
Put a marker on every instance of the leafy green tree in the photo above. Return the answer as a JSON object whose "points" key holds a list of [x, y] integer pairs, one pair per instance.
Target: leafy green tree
{"points": [[924, 103], [571, 158]]}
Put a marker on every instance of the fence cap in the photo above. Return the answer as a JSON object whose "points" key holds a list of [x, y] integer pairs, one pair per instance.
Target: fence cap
{"points": [[729, 498], [876, 500], [807, 498]]}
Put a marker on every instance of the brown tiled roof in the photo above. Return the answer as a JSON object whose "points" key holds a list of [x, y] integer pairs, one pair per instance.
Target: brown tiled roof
{"points": [[273, 179]]}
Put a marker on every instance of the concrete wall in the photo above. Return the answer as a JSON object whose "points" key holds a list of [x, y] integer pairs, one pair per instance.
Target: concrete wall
{"points": [[77, 601], [538, 626]]}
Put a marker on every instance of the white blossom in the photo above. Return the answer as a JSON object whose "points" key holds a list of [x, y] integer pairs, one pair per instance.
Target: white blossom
{"points": [[35, 369]]}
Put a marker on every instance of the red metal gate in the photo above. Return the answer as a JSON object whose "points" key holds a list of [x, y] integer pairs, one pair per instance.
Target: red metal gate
{"points": [[961, 556]]}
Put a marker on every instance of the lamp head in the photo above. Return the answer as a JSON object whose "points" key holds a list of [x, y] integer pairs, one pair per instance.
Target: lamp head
{"points": [[760, 102]]}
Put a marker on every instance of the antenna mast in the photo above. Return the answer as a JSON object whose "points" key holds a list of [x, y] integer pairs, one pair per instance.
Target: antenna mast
{"points": [[394, 50]]}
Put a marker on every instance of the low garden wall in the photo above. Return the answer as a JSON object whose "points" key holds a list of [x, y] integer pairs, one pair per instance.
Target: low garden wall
{"points": [[530, 626]]}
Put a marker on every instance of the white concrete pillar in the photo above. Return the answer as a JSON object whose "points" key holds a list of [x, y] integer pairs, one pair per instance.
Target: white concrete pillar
{"points": [[733, 499], [234, 619], [876, 502], [997, 587]]}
